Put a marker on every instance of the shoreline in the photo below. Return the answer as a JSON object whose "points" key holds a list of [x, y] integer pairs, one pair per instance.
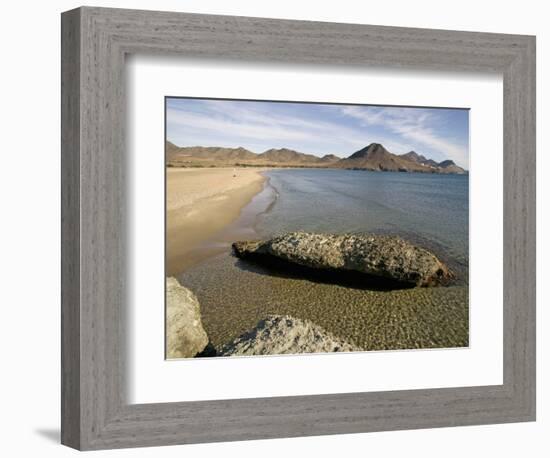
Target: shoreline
{"points": [[201, 203]]}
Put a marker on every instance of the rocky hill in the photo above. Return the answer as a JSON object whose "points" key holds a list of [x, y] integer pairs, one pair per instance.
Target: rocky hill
{"points": [[376, 157], [329, 158], [418, 158], [211, 153], [373, 157], [287, 156], [446, 166], [449, 166]]}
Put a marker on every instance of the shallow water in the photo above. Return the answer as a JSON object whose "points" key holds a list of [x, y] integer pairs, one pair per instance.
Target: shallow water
{"points": [[423, 206], [431, 210], [235, 295]]}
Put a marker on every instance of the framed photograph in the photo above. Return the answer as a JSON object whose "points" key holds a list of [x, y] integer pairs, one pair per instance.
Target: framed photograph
{"points": [[358, 252], [279, 228]]}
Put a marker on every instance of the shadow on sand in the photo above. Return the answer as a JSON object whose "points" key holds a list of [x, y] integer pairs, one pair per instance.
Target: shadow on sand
{"points": [[275, 267]]}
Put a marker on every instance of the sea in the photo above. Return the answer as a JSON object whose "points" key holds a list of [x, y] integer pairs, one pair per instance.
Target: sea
{"points": [[430, 210]]}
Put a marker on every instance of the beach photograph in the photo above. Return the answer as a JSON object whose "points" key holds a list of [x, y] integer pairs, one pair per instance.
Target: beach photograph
{"points": [[300, 227]]}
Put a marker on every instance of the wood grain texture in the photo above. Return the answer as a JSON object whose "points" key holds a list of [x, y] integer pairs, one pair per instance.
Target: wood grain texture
{"points": [[70, 229], [96, 414]]}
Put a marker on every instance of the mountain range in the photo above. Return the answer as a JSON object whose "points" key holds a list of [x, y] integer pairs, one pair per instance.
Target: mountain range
{"points": [[372, 157]]}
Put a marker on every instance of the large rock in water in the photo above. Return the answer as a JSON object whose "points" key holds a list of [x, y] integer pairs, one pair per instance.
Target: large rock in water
{"points": [[280, 335], [377, 255], [185, 336]]}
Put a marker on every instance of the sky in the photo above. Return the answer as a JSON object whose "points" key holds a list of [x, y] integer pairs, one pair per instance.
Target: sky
{"points": [[318, 129]]}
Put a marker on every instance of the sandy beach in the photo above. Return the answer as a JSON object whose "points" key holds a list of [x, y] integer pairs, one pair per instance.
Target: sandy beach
{"points": [[201, 202]]}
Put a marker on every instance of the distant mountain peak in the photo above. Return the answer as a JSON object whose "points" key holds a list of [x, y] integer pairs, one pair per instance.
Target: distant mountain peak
{"points": [[414, 156], [287, 156], [374, 147], [376, 157], [280, 150], [446, 163], [330, 157], [369, 150]]}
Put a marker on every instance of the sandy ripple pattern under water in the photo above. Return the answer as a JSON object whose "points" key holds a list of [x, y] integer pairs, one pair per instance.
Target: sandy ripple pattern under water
{"points": [[234, 296]]}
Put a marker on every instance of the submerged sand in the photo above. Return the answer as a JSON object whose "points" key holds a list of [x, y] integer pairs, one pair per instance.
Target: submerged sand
{"points": [[234, 295], [201, 202]]}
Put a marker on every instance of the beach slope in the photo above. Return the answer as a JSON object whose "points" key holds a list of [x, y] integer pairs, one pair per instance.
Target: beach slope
{"points": [[199, 203]]}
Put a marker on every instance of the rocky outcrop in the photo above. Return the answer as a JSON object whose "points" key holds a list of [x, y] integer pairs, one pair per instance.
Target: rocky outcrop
{"points": [[185, 336], [384, 256], [283, 335]]}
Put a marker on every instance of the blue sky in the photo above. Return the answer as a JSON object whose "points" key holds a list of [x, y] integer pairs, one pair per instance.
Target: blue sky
{"points": [[318, 128]]}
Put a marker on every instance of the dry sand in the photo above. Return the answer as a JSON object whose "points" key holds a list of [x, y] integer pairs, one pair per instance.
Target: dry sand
{"points": [[199, 203]]}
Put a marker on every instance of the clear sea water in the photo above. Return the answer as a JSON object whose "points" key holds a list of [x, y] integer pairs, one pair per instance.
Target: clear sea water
{"points": [[429, 208]]}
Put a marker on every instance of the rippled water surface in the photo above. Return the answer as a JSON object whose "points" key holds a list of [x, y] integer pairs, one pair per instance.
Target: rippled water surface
{"points": [[427, 206]]}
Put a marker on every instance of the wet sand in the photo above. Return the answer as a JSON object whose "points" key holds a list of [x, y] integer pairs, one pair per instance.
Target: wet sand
{"points": [[234, 295], [199, 203]]}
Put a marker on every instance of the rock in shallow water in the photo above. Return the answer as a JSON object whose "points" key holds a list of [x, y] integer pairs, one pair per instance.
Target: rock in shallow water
{"points": [[185, 336], [384, 256], [280, 335]]}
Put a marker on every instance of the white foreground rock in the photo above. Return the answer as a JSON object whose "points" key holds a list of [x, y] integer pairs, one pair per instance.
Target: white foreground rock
{"points": [[185, 336], [280, 335]]}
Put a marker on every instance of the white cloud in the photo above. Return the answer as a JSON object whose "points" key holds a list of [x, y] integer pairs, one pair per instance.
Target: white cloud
{"points": [[411, 124], [240, 124], [245, 129]]}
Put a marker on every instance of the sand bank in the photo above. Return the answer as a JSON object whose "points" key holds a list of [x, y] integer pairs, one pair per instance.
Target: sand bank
{"points": [[201, 202]]}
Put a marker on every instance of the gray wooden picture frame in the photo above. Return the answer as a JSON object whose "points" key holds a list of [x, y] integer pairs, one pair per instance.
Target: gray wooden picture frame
{"points": [[95, 412]]}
